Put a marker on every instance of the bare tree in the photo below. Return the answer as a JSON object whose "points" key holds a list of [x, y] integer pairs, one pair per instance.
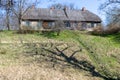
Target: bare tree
{"points": [[113, 16], [71, 6], [112, 10], [62, 6], [6, 5], [56, 6], [21, 7], [59, 25], [18, 8], [1, 20]]}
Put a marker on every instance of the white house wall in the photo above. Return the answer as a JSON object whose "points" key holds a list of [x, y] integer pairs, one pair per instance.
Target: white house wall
{"points": [[31, 25]]}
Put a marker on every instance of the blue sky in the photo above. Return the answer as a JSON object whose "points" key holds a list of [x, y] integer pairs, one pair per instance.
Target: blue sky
{"points": [[91, 5]]}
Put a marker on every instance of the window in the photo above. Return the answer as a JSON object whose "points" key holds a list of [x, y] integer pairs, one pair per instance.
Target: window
{"points": [[89, 25], [67, 24], [39, 24], [28, 23], [84, 25], [51, 24], [76, 24], [94, 24]]}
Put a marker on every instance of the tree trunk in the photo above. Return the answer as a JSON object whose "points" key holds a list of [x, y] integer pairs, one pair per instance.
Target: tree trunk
{"points": [[7, 19], [19, 23]]}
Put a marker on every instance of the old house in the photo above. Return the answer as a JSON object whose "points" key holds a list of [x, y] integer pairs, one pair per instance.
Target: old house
{"points": [[43, 18]]}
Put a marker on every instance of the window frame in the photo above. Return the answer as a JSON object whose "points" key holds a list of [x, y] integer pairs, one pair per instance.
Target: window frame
{"points": [[67, 24]]}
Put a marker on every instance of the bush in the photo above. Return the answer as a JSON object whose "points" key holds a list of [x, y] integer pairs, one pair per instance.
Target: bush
{"points": [[28, 31], [112, 29], [26, 28], [98, 30]]}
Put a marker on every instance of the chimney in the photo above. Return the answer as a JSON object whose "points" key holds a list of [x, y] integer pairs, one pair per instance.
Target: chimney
{"points": [[52, 8], [33, 7], [83, 9]]}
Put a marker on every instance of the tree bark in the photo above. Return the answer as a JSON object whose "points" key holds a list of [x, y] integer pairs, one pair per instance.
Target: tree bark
{"points": [[19, 23], [7, 19]]}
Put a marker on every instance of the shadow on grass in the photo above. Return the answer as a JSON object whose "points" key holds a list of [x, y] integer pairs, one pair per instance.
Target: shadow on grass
{"points": [[58, 56]]}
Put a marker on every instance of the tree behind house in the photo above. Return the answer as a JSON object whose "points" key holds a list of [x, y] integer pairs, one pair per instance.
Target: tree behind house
{"points": [[6, 6], [62, 6], [59, 25], [21, 7], [112, 10]]}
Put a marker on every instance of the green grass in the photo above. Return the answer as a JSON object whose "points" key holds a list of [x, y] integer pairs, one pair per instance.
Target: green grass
{"points": [[104, 51], [9, 37], [100, 49]]}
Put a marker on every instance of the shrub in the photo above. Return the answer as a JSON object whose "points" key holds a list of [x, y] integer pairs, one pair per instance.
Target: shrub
{"points": [[26, 28], [112, 29], [98, 30], [28, 31]]}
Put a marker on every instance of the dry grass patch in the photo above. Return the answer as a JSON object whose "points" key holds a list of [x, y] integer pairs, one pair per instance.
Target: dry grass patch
{"points": [[22, 63], [34, 72]]}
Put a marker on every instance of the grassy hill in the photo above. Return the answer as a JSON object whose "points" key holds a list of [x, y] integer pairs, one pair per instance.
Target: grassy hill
{"points": [[73, 55]]}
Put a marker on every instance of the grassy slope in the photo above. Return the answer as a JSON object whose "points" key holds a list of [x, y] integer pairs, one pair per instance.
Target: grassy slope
{"points": [[104, 52]]}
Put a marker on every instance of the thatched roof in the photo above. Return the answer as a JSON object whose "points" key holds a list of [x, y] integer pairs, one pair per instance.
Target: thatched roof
{"points": [[89, 16], [55, 14], [75, 15]]}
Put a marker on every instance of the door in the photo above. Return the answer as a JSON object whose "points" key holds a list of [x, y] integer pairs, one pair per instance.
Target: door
{"points": [[45, 25]]}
